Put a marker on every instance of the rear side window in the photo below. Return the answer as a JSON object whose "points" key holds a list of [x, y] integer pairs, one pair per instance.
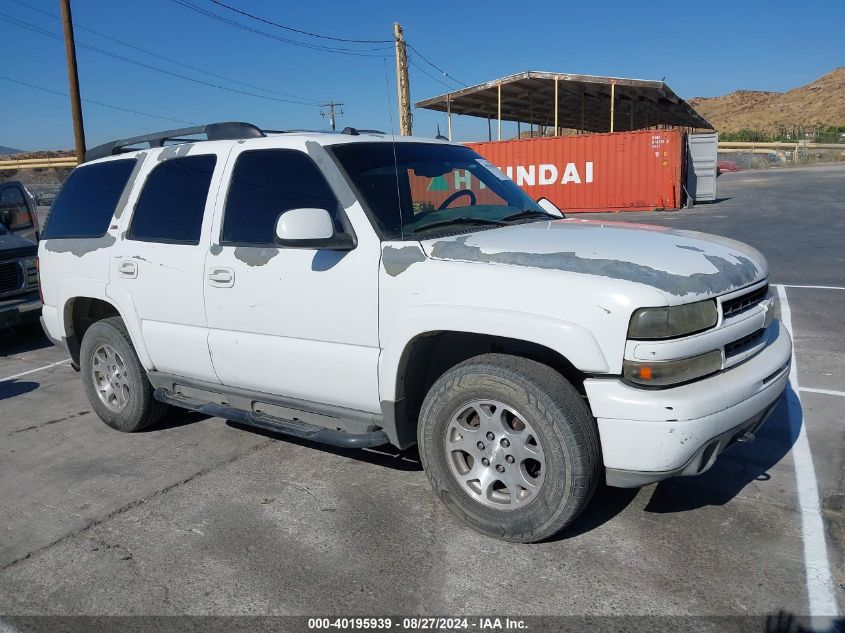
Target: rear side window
{"points": [[171, 206], [88, 199], [264, 184]]}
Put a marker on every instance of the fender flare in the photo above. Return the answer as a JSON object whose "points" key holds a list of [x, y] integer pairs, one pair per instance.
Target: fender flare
{"points": [[574, 342], [117, 297]]}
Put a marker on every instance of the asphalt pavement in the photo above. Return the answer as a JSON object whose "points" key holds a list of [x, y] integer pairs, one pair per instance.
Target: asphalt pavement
{"points": [[201, 516]]}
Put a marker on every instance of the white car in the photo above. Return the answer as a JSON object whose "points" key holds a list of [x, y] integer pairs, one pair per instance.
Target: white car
{"points": [[359, 289]]}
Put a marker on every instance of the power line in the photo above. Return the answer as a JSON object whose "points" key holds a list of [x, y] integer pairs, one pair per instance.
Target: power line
{"points": [[42, 31], [294, 30], [164, 57], [428, 74], [365, 52], [99, 103], [433, 65]]}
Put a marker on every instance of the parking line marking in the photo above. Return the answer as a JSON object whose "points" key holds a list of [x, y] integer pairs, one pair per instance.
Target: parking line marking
{"points": [[820, 593], [32, 371], [810, 287], [827, 392]]}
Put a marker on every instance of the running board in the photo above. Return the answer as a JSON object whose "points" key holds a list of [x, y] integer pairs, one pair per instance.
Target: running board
{"points": [[296, 428]]}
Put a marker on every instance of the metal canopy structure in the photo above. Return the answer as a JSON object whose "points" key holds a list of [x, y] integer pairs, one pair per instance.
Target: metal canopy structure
{"points": [[564, 101]]}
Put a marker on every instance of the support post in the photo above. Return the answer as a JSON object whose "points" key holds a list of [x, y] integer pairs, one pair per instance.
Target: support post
{"points": [[556, 127], [582, 111], [499, 99], [449, 116], [73, 81], [612, 105], [402, 85]]}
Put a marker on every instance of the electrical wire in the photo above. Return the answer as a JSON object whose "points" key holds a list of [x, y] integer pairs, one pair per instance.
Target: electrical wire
{"points": [[433, 65], [366, 52], [164, 57], [99, 103], [294, 30], [428, 74], [42, 31]]}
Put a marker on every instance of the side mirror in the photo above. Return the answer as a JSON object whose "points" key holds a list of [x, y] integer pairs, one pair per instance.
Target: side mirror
{"points": [[550, 207], [310, 228]]}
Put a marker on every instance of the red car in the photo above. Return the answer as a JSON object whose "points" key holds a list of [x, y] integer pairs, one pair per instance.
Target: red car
{"points": [[726, 165]]}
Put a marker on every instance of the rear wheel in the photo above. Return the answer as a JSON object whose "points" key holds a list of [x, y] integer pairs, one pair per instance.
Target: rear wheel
{"points": [[509, 446], [115, 381]]}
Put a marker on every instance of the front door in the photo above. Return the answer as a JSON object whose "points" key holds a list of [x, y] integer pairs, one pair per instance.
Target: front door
{"points": [[295, 322]]}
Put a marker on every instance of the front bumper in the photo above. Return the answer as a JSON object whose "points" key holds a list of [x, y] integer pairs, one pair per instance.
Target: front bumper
{"points": [[650, 435], [20, 310]]}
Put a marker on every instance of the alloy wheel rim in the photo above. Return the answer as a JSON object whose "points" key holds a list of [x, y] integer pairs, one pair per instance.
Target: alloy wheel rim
{"points": [[495, 455], [108, 371]]}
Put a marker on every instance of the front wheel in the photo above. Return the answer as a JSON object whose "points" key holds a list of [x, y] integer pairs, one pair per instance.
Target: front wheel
{"points": [[509, 446]]}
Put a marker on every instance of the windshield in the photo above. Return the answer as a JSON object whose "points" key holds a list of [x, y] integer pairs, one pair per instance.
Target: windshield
{"points": [[431, 187]]}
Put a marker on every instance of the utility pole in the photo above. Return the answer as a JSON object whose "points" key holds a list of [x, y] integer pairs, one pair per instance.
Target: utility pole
{"points": [[402, 84], [73, 81], [331, 105]]}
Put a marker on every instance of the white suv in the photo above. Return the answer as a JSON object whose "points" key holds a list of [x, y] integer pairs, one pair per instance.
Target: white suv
{"points": [[359, 289]]}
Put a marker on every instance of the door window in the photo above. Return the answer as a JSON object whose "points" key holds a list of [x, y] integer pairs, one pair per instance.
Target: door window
{"points": [[266, 183], [171, 206]]}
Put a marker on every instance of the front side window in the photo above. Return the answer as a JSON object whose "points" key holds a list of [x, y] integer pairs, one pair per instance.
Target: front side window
{"points": [[88, 200], [171, 206], [14, 212], [415, 188], [265, 184]]}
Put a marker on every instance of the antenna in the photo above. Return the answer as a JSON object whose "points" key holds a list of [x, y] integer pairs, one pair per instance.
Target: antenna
{"points": [[330, 113]]}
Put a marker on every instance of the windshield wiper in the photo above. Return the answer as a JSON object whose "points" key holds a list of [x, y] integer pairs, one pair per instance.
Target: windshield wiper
{"points": [[526, 214], [450, 221]]}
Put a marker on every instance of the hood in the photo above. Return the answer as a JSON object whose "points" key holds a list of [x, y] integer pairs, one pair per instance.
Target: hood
{"points": [[684, 264], [14, 246]]}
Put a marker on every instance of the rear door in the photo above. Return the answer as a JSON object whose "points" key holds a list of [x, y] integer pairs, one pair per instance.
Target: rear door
{"points": [[159, 256]]}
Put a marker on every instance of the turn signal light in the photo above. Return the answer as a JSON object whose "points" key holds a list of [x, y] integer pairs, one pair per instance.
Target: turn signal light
{"points": [[671, 372]]}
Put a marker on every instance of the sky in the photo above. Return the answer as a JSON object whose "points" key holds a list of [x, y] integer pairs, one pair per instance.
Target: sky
{"points": [[702, 49]]}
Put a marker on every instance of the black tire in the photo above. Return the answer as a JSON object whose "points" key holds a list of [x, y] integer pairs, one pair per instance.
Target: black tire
{"points": [[141, 408], [563, 426]]}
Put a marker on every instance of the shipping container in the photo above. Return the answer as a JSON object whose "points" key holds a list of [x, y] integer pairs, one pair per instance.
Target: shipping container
{"points": [[593, 172]]}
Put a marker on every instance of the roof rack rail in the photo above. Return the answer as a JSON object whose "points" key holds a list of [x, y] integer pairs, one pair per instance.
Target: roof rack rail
{"points": [[226, 131], [355, 131]]}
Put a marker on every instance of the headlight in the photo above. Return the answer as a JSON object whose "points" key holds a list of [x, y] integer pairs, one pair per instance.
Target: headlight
{"points": [[31, 271], [673, 321], [670, 372]]}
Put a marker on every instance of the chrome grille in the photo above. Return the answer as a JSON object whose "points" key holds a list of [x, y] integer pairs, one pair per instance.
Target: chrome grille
{"points": [[743, 303], [11, 277]]}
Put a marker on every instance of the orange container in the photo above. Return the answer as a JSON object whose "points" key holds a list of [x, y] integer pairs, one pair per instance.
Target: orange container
{"points": [[595, 172]]}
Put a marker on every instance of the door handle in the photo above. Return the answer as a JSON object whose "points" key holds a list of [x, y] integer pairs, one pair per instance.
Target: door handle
{"points": [[128, 269], [221, 277]]}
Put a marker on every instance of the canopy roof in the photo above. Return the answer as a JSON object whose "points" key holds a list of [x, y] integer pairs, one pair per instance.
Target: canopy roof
{"points": [[583, 102]]}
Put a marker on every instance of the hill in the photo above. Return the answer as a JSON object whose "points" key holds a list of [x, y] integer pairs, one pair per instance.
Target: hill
{"points": [[8, 151], [47, 176], [819, 104]]}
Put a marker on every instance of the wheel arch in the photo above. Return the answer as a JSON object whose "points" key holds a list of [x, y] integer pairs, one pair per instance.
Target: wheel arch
{"points": [[428, 355], [80, 312]]}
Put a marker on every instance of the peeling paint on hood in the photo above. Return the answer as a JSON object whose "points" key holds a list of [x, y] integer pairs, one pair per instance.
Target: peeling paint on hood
{"points": [[680, 263]]}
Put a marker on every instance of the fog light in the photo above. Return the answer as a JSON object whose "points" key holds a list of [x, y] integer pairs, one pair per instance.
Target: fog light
{"points": [[662, 373]]}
